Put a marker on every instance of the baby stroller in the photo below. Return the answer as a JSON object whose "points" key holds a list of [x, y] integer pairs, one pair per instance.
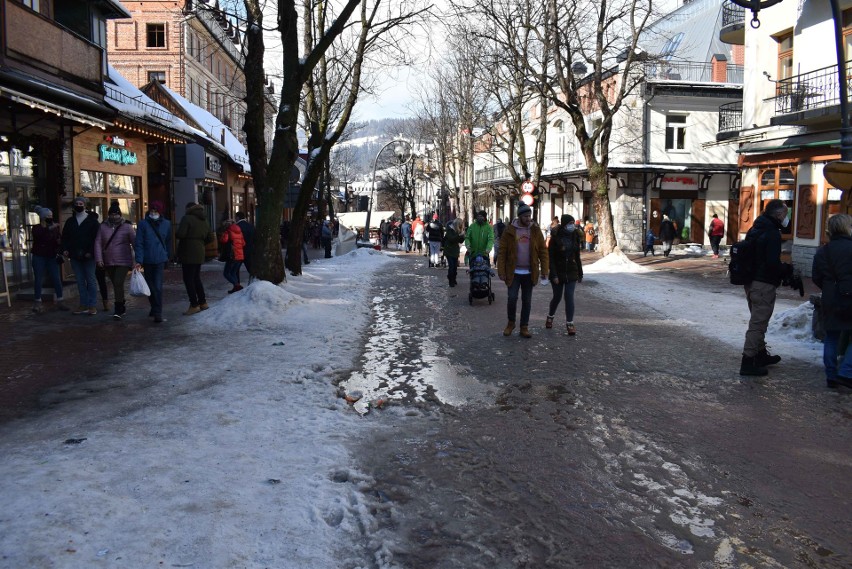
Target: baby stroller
{"points": [[480, 279]]}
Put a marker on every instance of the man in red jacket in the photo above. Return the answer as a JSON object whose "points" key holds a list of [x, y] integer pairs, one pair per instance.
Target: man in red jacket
{"points": [[716, 232]]}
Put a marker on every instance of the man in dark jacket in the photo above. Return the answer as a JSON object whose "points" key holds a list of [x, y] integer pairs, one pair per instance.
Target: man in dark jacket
{"points": [[435, 234], [78, 244], [760, 293], [193, 235], [667, 234]]}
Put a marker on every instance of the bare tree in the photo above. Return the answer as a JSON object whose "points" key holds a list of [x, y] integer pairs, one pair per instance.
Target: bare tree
{"points": [[325, 34]]}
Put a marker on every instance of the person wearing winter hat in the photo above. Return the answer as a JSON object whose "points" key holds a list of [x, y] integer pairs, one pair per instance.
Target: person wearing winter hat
{"points": [[479, 239], [153, 249], [522, 258], [78, 244], [46, 257], [566, 269], [114, 254]]}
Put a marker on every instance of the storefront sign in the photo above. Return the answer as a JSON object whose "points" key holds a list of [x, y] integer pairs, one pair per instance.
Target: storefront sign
{"points": [[213, 164], [679, 182], [121, 156]]}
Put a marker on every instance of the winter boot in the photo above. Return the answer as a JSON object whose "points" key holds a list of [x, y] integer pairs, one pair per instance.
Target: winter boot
{"points": [[60, 305], [764, 358], [572, 330], [37, 307], [106, 304], [525, 332], [120, 309], [749, 366], [191, 310], [507, 331], [549, 322]]}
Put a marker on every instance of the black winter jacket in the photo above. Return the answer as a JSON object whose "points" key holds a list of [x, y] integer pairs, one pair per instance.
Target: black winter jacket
{"points": [[79, 238], [567, 268], [767, 231], [824, 275]]}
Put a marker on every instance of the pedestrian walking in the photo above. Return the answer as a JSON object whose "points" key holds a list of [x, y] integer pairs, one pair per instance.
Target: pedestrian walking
{"points": [[417, 230], [765, 237], [327, 236], [232, 244], [551, 230], [153, 249], [498, 233], [405, 229], [46, 259], [78, 244], [453, 238], [832, 273], [667, 234], [650, 238], [589, 228], [385, 231], [114, 254], [716, 232], [247, 230], [479, 239], [193, 234], [523, 258], [566, 270], [434, 235]]}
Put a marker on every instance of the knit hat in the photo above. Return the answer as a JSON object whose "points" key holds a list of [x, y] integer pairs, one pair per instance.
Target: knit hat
{"points": [[80, 199], [481, 213], [567, 219], [114, 209], [156, 205], [44, 213], [523, 209]]}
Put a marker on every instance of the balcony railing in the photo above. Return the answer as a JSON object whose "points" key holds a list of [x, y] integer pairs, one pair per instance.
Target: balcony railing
{"points": [[732, 14], [731, 117], [690, 72], [147, 108], [812, 90]]}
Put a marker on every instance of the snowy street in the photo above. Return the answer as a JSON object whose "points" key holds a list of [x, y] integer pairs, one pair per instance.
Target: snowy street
{"points": [[224, 439]]}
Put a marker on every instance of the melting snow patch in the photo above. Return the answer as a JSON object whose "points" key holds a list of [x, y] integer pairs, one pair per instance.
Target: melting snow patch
{"points": [[795, 323], [615, 262], [260, 305]]}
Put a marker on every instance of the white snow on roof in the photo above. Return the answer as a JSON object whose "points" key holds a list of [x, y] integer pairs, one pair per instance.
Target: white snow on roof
{"points": [[127, 99], [214, 128]]}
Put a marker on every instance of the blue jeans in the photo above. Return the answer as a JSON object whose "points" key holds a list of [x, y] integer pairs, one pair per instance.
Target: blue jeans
{"points": [[559, 290], [524, 284], [232, 272], [87, 283], [154, 277], [42, 266], [406, 242], [829, 356], [452, 269]]}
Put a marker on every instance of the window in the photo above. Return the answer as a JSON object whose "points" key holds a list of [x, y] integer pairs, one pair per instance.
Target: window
{"points": [[785, 56], [156, 35], [780, 183], [671, 46], [847, 34], [675, 132], [159, 76], [31, 4]]}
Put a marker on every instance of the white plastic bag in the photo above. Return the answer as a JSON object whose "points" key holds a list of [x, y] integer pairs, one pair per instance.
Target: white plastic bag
{"points": [[138, 286]]}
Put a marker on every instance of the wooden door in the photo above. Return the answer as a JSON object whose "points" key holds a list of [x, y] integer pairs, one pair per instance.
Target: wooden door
{"points": [[697, 229]]}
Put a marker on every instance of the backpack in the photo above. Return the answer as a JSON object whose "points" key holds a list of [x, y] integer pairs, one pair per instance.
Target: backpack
{"points": [[743, 263]]}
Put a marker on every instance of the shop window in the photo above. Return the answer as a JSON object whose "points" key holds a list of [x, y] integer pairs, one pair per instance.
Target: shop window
{"points": [[847, 34], [675, 132], [102, 189], [779, 183], [156, 35], [31, 4]]}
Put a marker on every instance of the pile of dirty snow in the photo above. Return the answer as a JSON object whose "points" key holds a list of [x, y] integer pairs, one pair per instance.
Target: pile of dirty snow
{"points": [[259, 305], [615, 262]]}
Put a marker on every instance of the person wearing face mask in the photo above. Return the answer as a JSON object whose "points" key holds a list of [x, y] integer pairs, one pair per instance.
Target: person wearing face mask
{"points": [[760, 293], [78, 244], [46, 259], [114, 254], [153, 248], [522, 258]]}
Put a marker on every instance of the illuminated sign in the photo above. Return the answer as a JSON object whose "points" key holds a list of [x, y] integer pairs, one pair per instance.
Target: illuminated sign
{"points": [[213, 164], [121, 156]]}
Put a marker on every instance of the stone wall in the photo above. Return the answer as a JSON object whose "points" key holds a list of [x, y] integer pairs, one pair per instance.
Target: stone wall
{"points": [[803, 258], [629, 214]]}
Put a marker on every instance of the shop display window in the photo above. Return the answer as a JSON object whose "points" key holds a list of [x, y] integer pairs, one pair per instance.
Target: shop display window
{"points": [[101, 189], [780, 183]]}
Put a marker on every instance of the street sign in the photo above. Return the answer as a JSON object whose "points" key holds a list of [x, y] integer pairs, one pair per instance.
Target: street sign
{"points": [[528, 199], [527, 187]]}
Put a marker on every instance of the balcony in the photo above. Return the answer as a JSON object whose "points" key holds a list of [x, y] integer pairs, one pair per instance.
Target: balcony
{"points": [[692, 72], [733, 24], [36, 44], [730, 120], [810, 97]]}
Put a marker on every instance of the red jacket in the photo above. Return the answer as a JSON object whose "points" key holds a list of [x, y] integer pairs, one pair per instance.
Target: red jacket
{"points": [[235, 235], [717, 227]]}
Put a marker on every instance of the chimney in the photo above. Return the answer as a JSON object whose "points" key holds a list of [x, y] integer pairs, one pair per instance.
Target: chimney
{"points": [[719, 72]]}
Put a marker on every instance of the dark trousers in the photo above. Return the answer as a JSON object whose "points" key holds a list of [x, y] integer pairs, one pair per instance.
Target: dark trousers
{"points": [[326, 243], [194, 287], [565, 289], [232, 272], [524, 284], [117, 276], [452, 269], [714, 243], [153, 274]]}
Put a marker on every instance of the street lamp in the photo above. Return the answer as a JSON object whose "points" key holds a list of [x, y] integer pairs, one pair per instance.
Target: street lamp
{"points": [[402, 151]]}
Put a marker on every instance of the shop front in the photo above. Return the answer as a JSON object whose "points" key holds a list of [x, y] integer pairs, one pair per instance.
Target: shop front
{"points": [[110, 167], [20, 194], [677, 197]]}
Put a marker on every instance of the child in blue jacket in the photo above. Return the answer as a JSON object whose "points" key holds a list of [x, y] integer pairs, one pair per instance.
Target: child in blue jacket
{"points": [[649, 243]]}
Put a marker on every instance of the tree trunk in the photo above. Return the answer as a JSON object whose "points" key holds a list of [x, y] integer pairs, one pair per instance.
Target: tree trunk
{"points": [[599, 181]]}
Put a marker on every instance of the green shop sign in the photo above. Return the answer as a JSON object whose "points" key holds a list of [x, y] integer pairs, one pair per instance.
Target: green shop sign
{"points": [[117, 155]]}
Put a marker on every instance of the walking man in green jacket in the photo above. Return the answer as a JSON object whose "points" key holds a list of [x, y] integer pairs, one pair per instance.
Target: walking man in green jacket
{"points": [[480, 237]]}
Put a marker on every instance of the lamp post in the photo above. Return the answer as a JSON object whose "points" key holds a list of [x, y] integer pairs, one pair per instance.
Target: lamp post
{"points": [[402, 151], [837, 172]]}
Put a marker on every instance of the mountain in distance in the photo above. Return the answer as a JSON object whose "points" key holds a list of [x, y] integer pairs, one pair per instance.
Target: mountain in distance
{"points": [[353, 156]]}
